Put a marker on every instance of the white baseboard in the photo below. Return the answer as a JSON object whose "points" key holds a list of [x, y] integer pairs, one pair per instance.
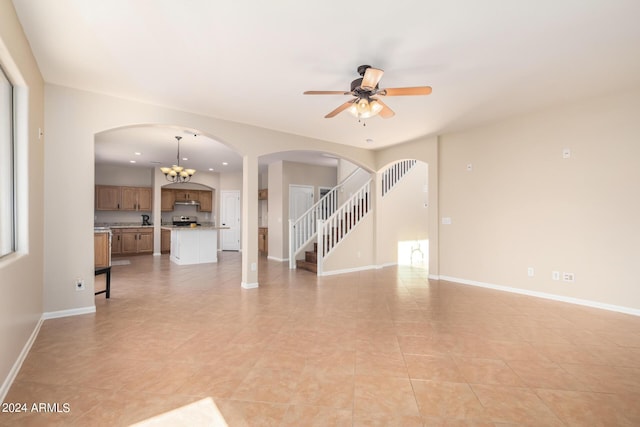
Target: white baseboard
{"points": [[272, 258], [249, 285], [571, 300], [348, 270], [433, 277], [157, 254], [67, 313], [388, 264], [6, 385]]}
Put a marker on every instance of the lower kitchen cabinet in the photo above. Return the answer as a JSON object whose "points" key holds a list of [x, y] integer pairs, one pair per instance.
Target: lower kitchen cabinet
{"points": [[101, 254], [165, 241], [132, 241], [263, 240], [116, 241]]}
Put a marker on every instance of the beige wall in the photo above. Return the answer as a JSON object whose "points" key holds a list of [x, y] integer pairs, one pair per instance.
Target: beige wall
{"points": [[277, 215], [524, 205], [21, 273], [407, 224], [426, 150], [356, 252]]}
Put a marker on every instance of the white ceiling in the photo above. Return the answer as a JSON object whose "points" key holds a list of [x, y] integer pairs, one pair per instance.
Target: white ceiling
{"points": [[249, 61]]}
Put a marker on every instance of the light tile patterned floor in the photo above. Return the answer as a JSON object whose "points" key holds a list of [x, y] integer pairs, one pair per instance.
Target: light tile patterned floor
{"points": [[376, 348]]}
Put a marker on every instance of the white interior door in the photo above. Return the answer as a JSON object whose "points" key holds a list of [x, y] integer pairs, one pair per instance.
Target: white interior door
{"points": [[300, 200], [230, 217]]}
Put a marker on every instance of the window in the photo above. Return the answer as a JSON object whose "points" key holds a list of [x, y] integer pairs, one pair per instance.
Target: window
{"points": [[7, 161]]}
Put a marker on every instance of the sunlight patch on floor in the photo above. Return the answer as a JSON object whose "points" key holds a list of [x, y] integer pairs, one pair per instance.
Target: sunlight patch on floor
{"points": [[201, 413], [414, 253]]}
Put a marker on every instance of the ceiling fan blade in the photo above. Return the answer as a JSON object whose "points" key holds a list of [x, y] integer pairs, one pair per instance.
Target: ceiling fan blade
{"points": [[402, 91], [326, 92], [371, 78], [386, 112], [340, 109]]}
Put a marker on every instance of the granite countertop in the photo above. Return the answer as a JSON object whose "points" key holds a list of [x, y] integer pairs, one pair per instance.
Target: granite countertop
{"points": [[121, 225], [199, 227]]}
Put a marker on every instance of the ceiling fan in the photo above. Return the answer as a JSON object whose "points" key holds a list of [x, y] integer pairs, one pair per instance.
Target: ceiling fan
{"points": [[366, 102]]}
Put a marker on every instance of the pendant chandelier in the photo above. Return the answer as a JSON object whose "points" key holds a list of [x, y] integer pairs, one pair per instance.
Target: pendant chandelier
{"points": [[177, 173]]}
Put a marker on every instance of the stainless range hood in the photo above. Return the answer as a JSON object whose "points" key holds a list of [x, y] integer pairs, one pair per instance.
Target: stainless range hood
{"points": [[188, 203]]}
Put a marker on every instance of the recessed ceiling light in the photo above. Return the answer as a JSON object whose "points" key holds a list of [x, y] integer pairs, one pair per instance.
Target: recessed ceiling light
{"points": [[225, 163], [185, 158], [137, 153], [210, 169], [132, 161]]}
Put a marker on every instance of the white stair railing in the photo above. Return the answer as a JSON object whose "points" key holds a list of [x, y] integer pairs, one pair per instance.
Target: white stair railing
{"points": [[394, 173], [336, 227], [303, 230]]}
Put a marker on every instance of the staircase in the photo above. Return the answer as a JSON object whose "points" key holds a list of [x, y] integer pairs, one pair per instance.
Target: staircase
{"points": [[335, 223], [303, 230]]}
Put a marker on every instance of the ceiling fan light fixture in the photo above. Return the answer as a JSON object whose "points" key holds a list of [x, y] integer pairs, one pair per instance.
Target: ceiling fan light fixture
{"points": [[365, 108]]}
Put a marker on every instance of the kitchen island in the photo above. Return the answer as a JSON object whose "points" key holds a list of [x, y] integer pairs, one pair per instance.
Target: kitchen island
{"points": [[193, 245]]}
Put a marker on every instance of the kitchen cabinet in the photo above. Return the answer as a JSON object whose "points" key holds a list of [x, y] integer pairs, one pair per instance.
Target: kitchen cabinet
{"points": [[187, 195], [165, 241], [263, 194], [136, 241], [107, 198], [167, 199], [101, 255], [135, 199], [263, 240], [206, 201], [114, 198], [170, 196], [116, 242]]}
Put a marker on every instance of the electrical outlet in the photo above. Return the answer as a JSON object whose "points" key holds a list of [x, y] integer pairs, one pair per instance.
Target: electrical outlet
{"points": [[530, 272], [568, 277], [79, 285], [555, 275]]}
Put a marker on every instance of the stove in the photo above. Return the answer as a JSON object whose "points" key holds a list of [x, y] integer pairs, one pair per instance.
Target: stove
{"points": [[184, 221]]}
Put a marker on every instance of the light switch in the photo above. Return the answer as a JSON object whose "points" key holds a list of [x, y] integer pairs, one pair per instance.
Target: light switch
{"points": [[566, 153], [446, 220]]}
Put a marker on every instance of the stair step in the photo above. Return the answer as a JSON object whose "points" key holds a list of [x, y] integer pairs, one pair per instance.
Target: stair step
{"points": [[311, 256], [310, 266]]}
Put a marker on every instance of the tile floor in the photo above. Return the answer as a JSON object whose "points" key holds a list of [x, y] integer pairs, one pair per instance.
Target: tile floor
{"points": [[376, 348]]}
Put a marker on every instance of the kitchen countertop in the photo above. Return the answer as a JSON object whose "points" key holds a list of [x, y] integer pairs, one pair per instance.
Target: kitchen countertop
{"points": [[199, 227], [121, 225]]}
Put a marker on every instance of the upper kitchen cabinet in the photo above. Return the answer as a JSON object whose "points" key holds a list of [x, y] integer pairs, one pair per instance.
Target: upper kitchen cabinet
{"points": [[187, 195], [168, 199], [136, 199], [206, 201], [107, 198], [113, 198], [201, 199]]}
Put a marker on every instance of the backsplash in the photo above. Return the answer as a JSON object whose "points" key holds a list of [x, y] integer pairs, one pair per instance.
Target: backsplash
{"points": [[113, 217]]}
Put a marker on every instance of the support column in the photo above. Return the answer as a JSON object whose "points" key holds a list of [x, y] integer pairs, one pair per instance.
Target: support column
{"points": [[249, 222]]}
